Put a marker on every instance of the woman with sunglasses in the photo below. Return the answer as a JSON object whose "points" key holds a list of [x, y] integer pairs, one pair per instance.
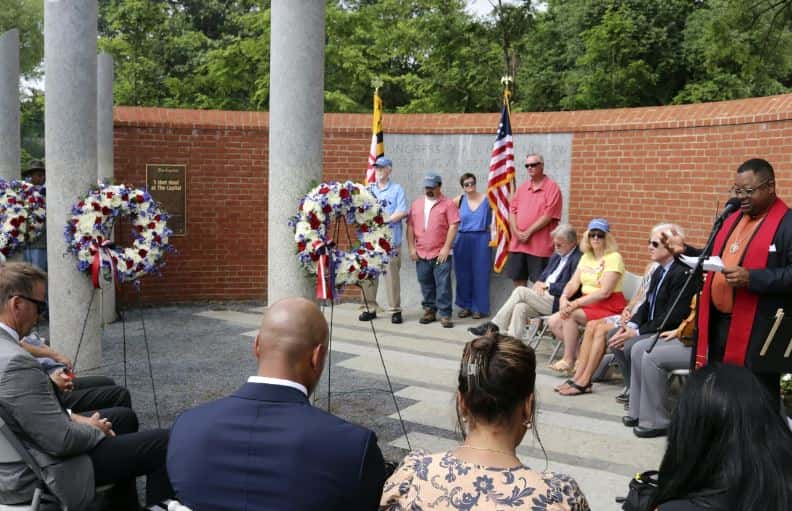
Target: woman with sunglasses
{"points": [[472, 255], [597, 283]]}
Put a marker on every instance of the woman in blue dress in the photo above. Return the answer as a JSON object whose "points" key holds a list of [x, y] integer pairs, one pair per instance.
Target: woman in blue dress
{"points": [[472, 254]]}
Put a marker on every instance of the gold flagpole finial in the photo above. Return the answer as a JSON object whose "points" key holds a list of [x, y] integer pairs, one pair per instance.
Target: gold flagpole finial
{"points": [[376, 82]]}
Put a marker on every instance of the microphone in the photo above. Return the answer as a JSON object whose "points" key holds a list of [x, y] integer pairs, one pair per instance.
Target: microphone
{"points": [[731, 206]]}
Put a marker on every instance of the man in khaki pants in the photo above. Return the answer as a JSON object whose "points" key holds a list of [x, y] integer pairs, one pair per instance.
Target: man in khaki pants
{"points": [[541, 298], [396, 210]]}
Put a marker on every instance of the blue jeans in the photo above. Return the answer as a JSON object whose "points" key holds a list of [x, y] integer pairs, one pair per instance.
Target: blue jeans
{"points": [[36, 257], [435, 280]]}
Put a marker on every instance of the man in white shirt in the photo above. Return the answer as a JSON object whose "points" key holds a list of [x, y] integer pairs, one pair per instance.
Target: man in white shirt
{"points": [[265, 446], [541, 299]]}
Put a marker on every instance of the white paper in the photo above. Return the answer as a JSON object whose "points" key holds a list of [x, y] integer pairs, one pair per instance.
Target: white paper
{"points": [[713, 263]]}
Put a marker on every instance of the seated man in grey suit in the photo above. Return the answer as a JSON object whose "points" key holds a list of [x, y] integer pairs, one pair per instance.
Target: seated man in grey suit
{"points": [[265, 447], [75, 452]]}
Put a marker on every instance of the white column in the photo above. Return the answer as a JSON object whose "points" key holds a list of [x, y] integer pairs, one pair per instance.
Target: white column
{"points": [[70, 32], [10, 138], [104, 157], [296, 123]]}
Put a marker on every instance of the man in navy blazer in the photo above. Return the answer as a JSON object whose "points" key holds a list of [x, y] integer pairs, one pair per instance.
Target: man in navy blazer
{"points": [[265, 447], [540, 298]]}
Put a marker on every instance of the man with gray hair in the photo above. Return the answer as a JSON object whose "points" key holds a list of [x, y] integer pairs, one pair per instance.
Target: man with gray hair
{"points": [[76, 453], [541, 299]]}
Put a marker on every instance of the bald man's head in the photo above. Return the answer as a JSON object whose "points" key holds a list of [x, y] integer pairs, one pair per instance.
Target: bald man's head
{"points": [[292, 341]]}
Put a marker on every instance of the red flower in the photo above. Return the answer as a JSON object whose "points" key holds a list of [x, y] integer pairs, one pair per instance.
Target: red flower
{"points": [[361, 251], [351, 268], [158, 218], [324, 190], [12, 200], [14, 222], [361, 276], [384, 244], [81, 204], [128, 264], [139, 198], [98, 220], [157, 238], [109, 195], [363, 263], [315, 223], [96, 206], [379, 220], [106, 211], [152, 225], [369, 246], [344, 193], [142, 252], [326, 209], [364, 228], [139, 228], [14, 233], [314, 256], [125, 197]]}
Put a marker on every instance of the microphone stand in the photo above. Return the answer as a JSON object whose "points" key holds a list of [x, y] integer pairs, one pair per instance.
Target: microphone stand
{"points": [[695, 273]]}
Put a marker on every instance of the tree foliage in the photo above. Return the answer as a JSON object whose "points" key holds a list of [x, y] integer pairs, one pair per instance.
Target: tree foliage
{"points": [[435, 56]]}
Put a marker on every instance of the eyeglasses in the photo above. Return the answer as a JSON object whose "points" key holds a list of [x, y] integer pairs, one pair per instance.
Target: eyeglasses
{"points": [[468, 183], [737, 191], [654, 244], [596, 234], [532, 165], [40, 306]]}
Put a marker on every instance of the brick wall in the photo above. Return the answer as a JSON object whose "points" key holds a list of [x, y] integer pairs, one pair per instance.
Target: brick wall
{"points": [[634, 166]]}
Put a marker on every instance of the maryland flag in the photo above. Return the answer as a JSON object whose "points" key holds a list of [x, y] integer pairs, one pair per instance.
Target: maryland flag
{"points": [[500, 183], [377, 140]]}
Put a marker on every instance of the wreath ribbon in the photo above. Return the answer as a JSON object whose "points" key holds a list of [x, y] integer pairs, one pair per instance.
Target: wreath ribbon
{"points": [[101, 251], [326, 271]]}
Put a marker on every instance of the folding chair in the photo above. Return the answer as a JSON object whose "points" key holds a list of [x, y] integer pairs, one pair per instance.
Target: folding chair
{"points": [[12, 451]]}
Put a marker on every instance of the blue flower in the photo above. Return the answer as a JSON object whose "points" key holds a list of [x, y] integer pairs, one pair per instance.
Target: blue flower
{"points": [[484, 484]]}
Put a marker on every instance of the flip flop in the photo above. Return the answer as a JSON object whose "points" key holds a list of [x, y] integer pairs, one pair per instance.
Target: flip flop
{"points": [[567, 383], [578, 390]]}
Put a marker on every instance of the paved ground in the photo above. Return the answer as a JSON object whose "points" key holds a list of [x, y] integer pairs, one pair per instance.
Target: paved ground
{"points": [[200, 353]]}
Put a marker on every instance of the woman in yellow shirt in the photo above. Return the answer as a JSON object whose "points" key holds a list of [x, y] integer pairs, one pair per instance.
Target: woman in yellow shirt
{"points": [[597, 282]]}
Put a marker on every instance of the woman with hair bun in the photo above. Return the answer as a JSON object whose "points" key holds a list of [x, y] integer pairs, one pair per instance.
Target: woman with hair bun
{"points": [[495, 404]]}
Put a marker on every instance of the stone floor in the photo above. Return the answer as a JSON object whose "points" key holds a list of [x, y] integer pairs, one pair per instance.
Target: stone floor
{"points": [[200, 353]]}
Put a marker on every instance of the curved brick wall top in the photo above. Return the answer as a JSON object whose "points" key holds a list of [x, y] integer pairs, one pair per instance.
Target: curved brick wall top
{"points": [[768, 109]]}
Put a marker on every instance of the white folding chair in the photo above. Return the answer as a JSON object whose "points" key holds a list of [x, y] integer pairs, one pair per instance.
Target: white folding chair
{"points": [[12, 451]]}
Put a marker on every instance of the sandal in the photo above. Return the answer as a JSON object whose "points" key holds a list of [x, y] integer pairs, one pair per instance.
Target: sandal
{"points": [[567, 383], [575, 390], [478, 315], [562, 366], [464, 313]]}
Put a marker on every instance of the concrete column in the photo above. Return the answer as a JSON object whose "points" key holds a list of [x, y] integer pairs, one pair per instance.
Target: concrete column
{"points": [[10, 138], [104, 155], [296, 124], [70, 32]]}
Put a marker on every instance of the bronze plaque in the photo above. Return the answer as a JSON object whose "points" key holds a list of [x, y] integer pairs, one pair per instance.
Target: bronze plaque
{"points": [[168, 185]]}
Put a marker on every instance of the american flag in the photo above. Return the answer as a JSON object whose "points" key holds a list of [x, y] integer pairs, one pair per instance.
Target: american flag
{"points": [[377, 139], [500, 182]]}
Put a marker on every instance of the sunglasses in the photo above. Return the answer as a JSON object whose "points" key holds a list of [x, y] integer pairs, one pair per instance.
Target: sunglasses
{"points": [[532, 165], [40, 306], [469, 183], [597, 234], [654, 244]]}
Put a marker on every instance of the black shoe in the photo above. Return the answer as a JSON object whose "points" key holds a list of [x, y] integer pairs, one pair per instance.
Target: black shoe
{"points": [[649, 432], [367, 316], [484, 329], [624, 397], [630, 422], [396, 319]]}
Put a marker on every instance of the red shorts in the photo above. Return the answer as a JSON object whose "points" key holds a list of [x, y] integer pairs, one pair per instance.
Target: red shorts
{"points": [[608, 307]]}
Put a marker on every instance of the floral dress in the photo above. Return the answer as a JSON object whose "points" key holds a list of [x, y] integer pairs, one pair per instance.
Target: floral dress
{"points": [[443, 481]]}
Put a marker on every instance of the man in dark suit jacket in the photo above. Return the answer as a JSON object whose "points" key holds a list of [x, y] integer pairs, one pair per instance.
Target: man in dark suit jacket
{"points": [[265, 447], [541, 298], [666, 282], [75, 452]]}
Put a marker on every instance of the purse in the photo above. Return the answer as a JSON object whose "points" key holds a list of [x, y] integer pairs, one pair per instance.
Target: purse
{"points": [[641, 490]]}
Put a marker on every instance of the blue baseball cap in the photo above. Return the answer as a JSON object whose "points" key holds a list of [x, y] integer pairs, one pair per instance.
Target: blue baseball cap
{"points": [[599, 224], [383, 161], [432, 179]]}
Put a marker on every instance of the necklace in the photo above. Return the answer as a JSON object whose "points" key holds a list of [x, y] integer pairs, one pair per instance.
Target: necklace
{"points": [[512, 454], [741, 236]]}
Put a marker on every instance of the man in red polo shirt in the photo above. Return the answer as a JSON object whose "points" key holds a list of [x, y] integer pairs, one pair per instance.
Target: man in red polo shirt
{"points": [[534, 211], [431, 228]]}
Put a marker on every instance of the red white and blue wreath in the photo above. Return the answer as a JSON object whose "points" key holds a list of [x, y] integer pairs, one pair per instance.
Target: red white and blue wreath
{"points": [[88, 234], [319, 254], [23, 214]]}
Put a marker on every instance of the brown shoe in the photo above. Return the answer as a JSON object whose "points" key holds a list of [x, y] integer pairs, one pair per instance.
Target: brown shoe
{"points": [[428, 317], [464, 313], [446, 322]]}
